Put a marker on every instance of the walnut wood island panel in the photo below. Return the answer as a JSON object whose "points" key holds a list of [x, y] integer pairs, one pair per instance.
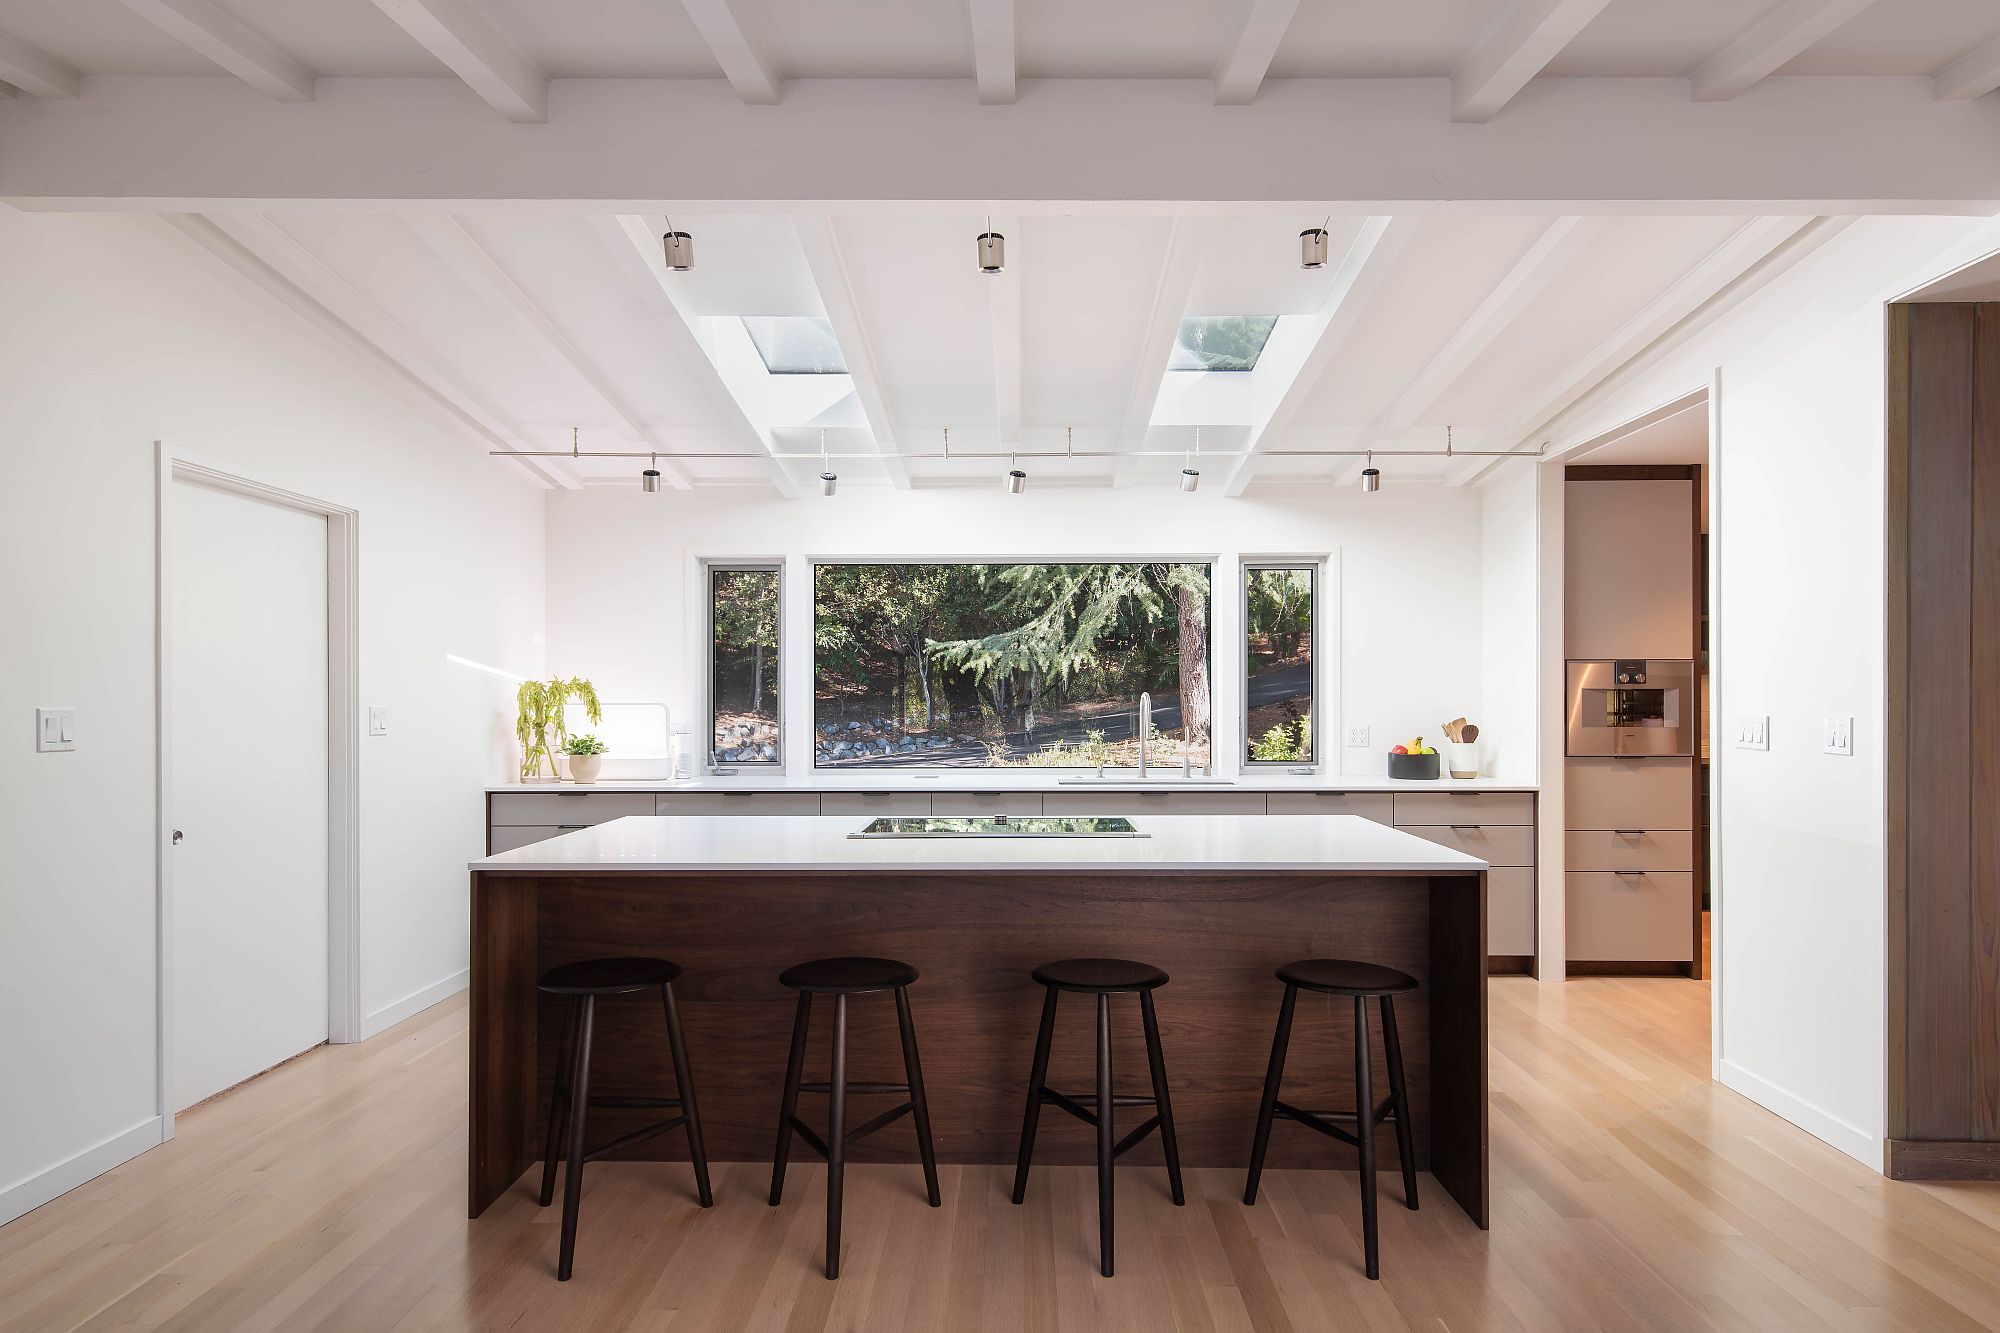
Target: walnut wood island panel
{"points": [[1218, 901]]}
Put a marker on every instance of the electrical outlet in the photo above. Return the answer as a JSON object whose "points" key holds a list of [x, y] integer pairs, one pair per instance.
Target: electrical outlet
{"points": [[1357, 738], [1838, 736], [378, 720], [1753, 732]]}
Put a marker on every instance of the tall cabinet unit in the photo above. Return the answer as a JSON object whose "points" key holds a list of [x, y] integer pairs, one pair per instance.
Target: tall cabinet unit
{"points": [[1631, 562]]}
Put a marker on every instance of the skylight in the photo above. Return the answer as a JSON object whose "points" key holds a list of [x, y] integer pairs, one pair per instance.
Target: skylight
{"points": [[796, 344], [1221, 342]]}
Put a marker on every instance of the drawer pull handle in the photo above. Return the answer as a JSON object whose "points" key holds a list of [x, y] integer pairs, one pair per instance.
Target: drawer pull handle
{"points": [[1629, 874], [1629, 832], [1466, 828]]}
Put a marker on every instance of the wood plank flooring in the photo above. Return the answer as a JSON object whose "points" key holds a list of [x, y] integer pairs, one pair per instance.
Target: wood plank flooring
{"points": [[1629, 1193]]}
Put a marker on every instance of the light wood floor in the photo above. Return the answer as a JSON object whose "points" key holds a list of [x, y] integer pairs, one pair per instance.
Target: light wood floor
{"points": [[1630, 1192]]}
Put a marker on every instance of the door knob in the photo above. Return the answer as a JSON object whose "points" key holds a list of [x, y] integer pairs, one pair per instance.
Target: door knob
{"points": [[177, 837]]}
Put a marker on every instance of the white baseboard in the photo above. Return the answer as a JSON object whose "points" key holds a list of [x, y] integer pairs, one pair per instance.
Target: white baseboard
{"points": [[26, 1195], [381, 1020], [1851, 1139]]}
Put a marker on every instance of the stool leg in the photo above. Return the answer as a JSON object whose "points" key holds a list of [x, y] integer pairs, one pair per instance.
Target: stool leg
{"points": [[684, 1088], [1158, 1063], [1393, 1049], [1274, 1076], [1104, 1139], [836, 1135], [1364, 1126], [558, 1104], [1036, 1075], [913, 1073], [579, 1105], [793, 1069]]}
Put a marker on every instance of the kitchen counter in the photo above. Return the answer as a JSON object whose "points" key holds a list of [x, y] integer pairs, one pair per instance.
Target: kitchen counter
{"points": [[1205, 843], [1217, 901], [981, 779]]}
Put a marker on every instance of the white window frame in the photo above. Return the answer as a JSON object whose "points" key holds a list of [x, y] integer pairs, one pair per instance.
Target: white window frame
{"points": [[710, 567], [1317, 566]]}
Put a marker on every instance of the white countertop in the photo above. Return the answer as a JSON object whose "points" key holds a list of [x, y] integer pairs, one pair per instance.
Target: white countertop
{"points": [[795, 843], [975, 779]]}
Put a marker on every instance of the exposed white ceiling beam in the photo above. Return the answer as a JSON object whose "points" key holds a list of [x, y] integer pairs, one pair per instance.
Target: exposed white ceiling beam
{"points": [[35, 72], [1178, 270], [229, 43], [1240, 70], [634, 245], [255, 247], [448, 239], [821, 244], [1528, 36], [1354, 285], [1510, 297], [731, 33], [993, 50], [1974, 74], [471, 47], [1003, 303], [1768, 43], [1741, 251]]}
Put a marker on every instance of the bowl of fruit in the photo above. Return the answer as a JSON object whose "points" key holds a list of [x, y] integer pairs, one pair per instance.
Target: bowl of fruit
{"points": [[1415, 760]]}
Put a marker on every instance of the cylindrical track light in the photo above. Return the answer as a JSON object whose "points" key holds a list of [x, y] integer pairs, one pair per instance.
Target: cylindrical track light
{"points": [[649, 480], [1190, 474], [1371, 476], [1189, 479], [1017, 481], [992, 252], [679, 247], [827, 482], [1312, 248]]}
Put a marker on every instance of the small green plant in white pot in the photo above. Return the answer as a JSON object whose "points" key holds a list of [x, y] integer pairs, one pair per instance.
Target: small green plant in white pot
{"points": [[585, 758]]}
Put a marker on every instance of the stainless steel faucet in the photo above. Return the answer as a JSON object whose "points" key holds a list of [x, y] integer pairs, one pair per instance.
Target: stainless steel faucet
{"points": [[1145, 728]]}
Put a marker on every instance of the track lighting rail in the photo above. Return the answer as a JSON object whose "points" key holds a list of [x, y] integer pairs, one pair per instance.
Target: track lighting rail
{"points": [[961, 455]]}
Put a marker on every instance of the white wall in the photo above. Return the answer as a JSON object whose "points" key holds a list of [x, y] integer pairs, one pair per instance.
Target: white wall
{"points": [[117, 332], [1797, 540], [1409, 595], [1509, 572]]}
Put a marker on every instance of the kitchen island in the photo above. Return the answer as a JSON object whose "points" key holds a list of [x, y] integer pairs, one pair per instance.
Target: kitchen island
{"points": [[1217, 901]]}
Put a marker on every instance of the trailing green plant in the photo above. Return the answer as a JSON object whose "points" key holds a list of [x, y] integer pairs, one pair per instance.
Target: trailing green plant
{"points": [[1285, 743], [584, 745], [538, 721]]}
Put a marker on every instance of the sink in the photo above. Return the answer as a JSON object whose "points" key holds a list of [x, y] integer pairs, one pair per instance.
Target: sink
{"points": [[1000, 826]]}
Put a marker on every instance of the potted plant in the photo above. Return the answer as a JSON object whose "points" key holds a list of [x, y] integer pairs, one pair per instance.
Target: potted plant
{"points": [[538, 721], [584, 758]]}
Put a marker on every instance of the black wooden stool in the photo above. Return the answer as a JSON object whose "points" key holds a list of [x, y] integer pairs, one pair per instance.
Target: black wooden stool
{"points": [[840, 978], [585, 983], [1104, 978], [1361, 982]]}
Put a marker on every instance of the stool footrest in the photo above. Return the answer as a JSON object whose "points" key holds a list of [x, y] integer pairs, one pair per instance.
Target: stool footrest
{"points": [[865, 1089], [1083, 1108], [861, 1131], [636, 1136], [1131, 1141], [1323, 1121]]}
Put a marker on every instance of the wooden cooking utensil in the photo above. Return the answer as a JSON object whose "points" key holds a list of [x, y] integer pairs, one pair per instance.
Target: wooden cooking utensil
{"points": [[1469, 732]]}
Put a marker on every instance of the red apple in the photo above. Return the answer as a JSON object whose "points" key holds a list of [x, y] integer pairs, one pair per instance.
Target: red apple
{"points": [[1400, 749]]}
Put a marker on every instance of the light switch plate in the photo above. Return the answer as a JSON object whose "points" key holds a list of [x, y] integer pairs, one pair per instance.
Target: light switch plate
{"points": [[378, 720], [1838, 735], [1357, 738], [1753, 732], [55, 729]]}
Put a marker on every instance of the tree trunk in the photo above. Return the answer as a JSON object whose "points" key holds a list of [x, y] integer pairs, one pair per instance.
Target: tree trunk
{"points": [[1193, 618], [757, 678], [924, 679]]}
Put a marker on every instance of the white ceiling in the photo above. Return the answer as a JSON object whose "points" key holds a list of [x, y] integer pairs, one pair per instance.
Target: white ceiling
{"points": [[531, 324], [1053, 38]]}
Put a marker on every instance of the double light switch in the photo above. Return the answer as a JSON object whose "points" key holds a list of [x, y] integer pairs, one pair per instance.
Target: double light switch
{"points": [[55, 729]]}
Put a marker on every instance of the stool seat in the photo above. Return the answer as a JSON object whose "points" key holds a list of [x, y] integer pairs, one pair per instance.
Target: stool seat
{"points": [[1100, 976], [848, 976], [609, 976], [1341, 976]]}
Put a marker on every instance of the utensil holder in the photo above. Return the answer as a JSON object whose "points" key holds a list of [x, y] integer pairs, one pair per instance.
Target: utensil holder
{"points": [[1463, 757]]}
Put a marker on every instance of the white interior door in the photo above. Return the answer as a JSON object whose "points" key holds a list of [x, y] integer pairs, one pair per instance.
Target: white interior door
{"points": [[248, 581]]}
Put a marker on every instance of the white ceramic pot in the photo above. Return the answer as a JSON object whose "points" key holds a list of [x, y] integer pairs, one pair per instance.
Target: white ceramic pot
{"points": [[1463, 757], [583, 768]]}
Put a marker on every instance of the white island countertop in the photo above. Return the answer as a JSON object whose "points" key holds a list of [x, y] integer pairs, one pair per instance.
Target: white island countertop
{"points": [[642, 843], [1018, 779]]}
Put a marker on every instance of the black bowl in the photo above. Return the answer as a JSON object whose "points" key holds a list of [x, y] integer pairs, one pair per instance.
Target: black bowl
{"points": [[1422, 767]]}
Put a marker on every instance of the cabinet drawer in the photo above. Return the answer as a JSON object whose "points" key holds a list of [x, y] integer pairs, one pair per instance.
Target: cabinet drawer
{"points": [[505, 838], [1510, 912], [581, 808], [1465, 807], [1153, 803], [962, 803], [1630, 918], [1495, 844], [1628, 793], [1636, 849], [874, 802], [737, 803], [1379, 806]]}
